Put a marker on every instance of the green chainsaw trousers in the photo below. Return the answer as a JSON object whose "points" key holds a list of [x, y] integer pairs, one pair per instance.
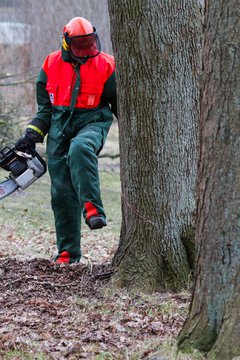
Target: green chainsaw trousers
{"points": [[75, 188]]}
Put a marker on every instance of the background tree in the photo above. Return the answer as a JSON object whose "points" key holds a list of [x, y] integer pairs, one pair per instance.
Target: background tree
{"points": [[29, 30], [45, 22], [157, 50], [214, 321]]}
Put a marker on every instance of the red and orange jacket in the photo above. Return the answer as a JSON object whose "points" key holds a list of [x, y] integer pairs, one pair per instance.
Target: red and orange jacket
{"points": [[66, 87]]}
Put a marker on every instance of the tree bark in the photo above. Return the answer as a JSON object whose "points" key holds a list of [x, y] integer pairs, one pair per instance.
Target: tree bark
{"points": [[213, 325], [157, 49]]}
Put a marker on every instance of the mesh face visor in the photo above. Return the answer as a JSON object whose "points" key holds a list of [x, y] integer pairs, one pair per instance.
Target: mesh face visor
{"points": [[84, 46]]}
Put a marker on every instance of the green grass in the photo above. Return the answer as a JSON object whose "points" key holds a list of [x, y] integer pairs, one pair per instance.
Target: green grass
{"points": [[110, 189], [23, 355], [27, 223], [166, 350], [27, 220]]}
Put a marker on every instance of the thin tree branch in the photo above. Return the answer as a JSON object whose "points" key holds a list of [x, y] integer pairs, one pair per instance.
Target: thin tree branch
{"points": [[115, 156], [19, 82]]}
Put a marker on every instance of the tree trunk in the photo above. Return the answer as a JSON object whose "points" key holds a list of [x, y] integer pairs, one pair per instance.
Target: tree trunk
{"points": [[214, 321], [157, 50]]}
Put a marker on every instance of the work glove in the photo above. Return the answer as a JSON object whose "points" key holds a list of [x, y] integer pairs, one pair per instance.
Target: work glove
{"points": [[25, 143]]}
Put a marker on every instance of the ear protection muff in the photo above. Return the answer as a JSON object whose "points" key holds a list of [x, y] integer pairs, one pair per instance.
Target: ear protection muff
{"points": [[65, 41]]}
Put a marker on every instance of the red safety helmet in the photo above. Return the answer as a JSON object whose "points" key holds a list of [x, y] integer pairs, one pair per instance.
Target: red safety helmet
{"points": [[80, 39]]}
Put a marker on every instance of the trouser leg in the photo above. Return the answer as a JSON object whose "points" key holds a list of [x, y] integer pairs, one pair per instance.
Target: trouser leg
{"points": [[83, 163], [66, 207]]}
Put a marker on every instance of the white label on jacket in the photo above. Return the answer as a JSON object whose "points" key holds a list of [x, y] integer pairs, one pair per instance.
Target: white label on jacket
{"points": [[51, 96]]}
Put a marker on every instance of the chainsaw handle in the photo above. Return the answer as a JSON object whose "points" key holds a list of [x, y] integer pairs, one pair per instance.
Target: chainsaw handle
{"points": [[34, 153]]}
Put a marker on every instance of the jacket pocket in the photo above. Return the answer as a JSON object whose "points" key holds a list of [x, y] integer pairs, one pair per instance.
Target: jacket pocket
{"points": [[90, 95], [59, 95]]}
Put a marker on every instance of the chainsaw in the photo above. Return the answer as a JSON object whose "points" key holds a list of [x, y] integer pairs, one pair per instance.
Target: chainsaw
{"points": [[24, 169]]}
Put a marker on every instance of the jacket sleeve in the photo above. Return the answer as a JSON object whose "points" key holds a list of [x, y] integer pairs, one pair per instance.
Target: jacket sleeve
{"points": [[40, 124], [109, 93]]}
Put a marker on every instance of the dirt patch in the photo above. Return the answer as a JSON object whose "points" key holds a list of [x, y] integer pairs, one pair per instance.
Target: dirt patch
{"points": [[50, 311]]}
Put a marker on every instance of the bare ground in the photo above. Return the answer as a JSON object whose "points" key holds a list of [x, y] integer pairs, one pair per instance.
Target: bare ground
{"points": [[50, 311]]}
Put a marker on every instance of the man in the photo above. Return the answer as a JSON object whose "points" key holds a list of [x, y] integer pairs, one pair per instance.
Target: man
{"points": [[76, 95]]}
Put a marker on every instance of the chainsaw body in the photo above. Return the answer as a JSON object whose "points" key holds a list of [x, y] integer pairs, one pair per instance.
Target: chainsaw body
{"points": [[24, 169]]}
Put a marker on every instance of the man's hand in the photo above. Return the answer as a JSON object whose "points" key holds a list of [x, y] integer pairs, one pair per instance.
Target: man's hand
{"points": [[25, 143]]}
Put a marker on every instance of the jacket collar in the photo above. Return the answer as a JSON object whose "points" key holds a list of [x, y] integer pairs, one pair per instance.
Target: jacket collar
{"points": [[67, 57]]}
